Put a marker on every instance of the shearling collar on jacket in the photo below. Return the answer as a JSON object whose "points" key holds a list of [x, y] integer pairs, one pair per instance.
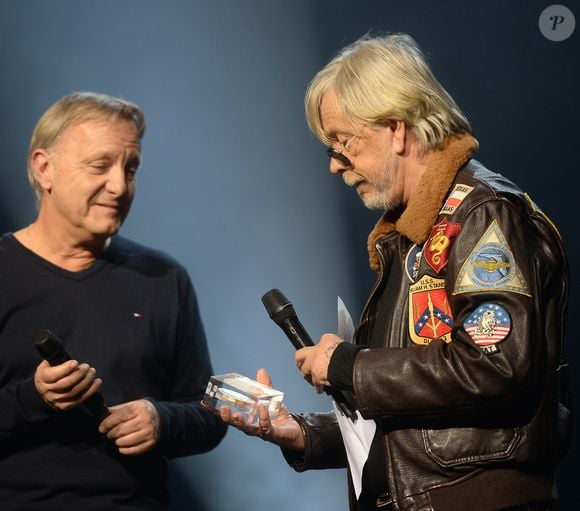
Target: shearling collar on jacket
{"points": [[423, 208]]}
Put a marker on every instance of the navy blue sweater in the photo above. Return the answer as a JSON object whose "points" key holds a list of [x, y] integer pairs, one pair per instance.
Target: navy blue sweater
{"points": [[133, 316]]}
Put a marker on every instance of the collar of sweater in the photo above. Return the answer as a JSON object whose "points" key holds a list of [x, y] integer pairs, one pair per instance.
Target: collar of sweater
{"points": [[417, 219]]}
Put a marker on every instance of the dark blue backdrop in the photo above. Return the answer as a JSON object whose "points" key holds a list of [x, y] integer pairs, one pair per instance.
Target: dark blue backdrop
{"points": [[234, 186]]}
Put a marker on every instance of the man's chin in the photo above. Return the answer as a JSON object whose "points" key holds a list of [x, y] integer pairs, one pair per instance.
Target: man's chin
{"points": [[107, 226], [376, 201], [105, 231], [369, 200]]}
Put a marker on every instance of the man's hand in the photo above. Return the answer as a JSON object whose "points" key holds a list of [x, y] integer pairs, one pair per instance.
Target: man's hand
{"points": [[66, 385], [133, 426], [313, 361], [283, 430]]}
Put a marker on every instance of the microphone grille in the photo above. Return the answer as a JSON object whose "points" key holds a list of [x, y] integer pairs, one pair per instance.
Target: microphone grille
{"points": [[277, 305], [42, 336]]}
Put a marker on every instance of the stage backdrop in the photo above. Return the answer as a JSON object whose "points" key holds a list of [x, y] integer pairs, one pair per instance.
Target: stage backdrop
{"points": [[234, 186]]}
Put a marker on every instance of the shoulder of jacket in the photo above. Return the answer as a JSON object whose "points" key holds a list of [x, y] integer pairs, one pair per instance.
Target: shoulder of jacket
{"points": [[475, 185]]}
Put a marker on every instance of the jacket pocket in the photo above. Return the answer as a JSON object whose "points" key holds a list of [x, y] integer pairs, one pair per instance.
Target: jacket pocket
{"points": [[455, 446]]}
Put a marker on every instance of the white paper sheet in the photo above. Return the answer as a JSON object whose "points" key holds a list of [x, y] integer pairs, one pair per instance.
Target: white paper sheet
{"points": [[357, 435]]}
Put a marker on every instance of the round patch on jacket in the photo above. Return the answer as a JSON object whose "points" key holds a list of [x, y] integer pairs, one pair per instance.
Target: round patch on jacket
{"points": [[412, 262], [487, 325]]}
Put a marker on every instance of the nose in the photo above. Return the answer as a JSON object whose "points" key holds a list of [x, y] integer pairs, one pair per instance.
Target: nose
{"points": [[336, 166], [338, 161], [117, 181]]}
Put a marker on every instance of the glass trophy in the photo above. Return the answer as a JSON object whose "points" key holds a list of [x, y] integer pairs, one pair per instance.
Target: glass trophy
{"points": [[242, 394]]}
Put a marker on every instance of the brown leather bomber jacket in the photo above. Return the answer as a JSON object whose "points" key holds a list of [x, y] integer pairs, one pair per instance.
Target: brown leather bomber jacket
{"points": [[459, 347]]}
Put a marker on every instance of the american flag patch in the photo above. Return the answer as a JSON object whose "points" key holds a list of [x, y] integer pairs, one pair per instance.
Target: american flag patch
{"points": [[489, 324]]}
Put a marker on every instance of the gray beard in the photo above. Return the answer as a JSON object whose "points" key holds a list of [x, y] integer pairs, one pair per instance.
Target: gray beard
{"points": [[381, 199]]}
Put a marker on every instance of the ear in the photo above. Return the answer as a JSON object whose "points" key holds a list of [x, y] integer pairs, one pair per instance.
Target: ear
{"points": [[399, 129], [40, 163]]}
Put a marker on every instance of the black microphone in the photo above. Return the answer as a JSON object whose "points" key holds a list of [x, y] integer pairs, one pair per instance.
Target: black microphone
{"points": [[52, 350], [282, 313]]}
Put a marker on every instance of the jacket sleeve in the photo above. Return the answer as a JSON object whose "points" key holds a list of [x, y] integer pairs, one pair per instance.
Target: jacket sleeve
{"points": [[502, 258], [186, 427], [324, 447]]}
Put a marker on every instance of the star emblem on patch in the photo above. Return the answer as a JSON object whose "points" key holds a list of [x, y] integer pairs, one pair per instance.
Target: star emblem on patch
{"points": [[488, 325], [430, 315]]}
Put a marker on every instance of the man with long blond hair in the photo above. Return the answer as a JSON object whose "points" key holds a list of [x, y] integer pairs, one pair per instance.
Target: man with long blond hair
{"points": [[457, 357]]}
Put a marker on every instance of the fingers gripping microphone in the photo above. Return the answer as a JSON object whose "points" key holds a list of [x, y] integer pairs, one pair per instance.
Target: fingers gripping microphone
{"points": [[282, 313], [52, 350]]}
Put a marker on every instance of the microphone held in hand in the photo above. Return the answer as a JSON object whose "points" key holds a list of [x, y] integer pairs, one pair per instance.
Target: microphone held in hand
{"points": [[283, 314], [52, 350]]}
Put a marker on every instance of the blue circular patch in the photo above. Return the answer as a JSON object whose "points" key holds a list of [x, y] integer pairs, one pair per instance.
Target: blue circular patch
{"points": [[412, 262], [492, 266]]}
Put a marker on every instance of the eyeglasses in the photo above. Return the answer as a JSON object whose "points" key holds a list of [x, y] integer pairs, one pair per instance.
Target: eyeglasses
{"points": [[339, 153]]}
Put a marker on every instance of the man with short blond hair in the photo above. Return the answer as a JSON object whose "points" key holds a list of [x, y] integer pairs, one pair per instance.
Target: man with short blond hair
{"points": [[127, 315]]}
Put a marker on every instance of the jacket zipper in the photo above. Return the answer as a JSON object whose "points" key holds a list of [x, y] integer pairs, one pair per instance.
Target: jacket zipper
{"points": [[385, 500], [378, 282]]}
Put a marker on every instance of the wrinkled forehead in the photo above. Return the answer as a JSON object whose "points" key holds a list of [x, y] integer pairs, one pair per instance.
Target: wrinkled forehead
{"points": [[98, 133], [96, 119]]}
